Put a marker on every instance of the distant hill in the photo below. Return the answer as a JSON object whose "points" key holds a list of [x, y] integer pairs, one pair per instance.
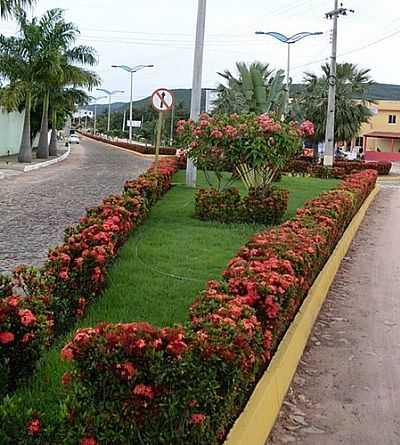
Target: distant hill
{"points": [[378, 91], [182, 95]]}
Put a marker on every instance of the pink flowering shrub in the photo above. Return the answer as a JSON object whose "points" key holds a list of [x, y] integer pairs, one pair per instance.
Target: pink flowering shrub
{"points": [[254, 148], [188, 384], [260, 142]]}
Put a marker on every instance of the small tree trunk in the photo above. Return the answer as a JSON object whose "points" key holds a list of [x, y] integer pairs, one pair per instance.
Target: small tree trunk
{"points": [[25, 150], [43, 148], [53, 139]]}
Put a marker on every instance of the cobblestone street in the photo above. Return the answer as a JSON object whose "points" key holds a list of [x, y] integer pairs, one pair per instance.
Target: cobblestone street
{"points": [[36, 207]]}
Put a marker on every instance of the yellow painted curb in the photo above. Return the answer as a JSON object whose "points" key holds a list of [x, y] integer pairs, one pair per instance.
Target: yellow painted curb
{"points": [[388, 178], [258, 418]]}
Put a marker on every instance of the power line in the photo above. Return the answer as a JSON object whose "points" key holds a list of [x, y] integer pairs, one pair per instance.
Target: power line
{"points": [[361, 48]]}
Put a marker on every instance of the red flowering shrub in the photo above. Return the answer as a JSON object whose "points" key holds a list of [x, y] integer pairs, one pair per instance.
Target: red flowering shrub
{"points": [[22, 339], [340, 168], [259, 206], [188, 384], [222, 206]]}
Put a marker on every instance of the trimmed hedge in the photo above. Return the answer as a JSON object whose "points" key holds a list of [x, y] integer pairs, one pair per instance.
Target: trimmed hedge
{"points": [[149, 150], [340, 168], [228, 206], [73, 276], [137, 384]]}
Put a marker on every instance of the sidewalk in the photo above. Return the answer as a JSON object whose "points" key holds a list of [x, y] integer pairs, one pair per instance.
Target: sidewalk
{"points": [[346, 388], [9, 165]]}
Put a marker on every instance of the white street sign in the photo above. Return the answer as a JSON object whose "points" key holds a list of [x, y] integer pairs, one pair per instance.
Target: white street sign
{"points": [[163, 100], [134, 124]]}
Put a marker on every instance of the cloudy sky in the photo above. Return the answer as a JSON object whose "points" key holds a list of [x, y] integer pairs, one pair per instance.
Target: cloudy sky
{"points": [[161, 32]]}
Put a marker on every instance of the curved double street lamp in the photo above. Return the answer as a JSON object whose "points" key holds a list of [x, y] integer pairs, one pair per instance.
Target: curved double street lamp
{"points": [[289, 41], [109, 95], [95, 100], [132, 71]]}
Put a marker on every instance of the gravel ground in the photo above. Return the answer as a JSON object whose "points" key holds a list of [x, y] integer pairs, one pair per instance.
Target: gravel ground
{"points": [[346, 387], [36, 207]]}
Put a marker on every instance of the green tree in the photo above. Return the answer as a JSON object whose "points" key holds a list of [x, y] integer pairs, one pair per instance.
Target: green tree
{"points": [[63, 104], [256, 89], [20, 61], [351, 101], [59, 57], [9, 7]]}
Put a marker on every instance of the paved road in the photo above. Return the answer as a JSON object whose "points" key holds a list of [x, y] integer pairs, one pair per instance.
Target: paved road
{"points": [[36, 207], [346, 390]]}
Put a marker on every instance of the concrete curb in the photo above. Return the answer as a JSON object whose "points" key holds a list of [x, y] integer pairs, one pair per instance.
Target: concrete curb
{"points": [[29, 168], [132, 152], [258, 418]]}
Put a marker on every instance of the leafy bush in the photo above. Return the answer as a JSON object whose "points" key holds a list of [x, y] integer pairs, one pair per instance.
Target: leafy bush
{"points": [[259, 206], [340, 168], [23, 335], [133, 383]]}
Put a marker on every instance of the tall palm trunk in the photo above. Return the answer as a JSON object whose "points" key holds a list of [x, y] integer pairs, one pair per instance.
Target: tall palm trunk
{"points": [[25, 150], [43, 148], [53, 139]]}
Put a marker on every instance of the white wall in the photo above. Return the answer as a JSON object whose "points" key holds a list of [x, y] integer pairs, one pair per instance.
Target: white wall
{"points": [[11, 125]]}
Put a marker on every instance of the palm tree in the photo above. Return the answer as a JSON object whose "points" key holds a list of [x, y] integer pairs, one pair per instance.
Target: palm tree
{"points": [[9, 7], [58, 69], [19, 63], [256, 89], [351, 101], [63, 103]]}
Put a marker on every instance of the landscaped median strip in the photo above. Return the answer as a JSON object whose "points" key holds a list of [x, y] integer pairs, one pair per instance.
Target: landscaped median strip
{"points": [[211, 364], [259, 416], [188, 384]]}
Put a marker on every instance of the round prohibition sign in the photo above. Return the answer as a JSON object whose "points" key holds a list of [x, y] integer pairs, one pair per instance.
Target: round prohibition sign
{"points": [[163, 100]]}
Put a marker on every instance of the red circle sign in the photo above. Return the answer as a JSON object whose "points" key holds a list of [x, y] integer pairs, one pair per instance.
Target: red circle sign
{"points": [[163, 100]]}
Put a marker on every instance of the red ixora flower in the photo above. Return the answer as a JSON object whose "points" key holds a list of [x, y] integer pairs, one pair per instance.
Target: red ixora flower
{"points": [[66, 378], [27, 317], [143, 391], [197, 418], [33, 427], [6, 337], [126, 370], [88, 441], [67, 353]]}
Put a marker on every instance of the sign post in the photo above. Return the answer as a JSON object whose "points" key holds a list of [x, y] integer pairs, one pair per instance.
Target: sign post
{"points": [[162, 100]]}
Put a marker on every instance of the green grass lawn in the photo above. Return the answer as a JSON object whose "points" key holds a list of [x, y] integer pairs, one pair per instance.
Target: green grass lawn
{"points": [[160, 270]]}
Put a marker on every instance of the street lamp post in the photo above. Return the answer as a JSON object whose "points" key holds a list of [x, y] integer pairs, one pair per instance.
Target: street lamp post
{"points": [[132, 71], [289, 41], [109, 95], [195, 107], [95, 100]]}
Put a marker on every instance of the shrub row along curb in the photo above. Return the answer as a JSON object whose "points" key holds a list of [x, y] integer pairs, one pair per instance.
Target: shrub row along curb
{"points": [[135, 383], [72, 277], [340, 168], [258, 418], [150, 150]]}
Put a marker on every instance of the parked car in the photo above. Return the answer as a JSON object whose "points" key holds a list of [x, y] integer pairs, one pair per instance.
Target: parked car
{"points": [[74, 139]]}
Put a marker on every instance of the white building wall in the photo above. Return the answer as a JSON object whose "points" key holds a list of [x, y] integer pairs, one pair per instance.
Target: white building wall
{"points": [[11, 126]]}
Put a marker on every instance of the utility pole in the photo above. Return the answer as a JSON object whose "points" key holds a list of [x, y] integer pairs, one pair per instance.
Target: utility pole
{"points": [[191, 170], [329, 154], [171, 134]]}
